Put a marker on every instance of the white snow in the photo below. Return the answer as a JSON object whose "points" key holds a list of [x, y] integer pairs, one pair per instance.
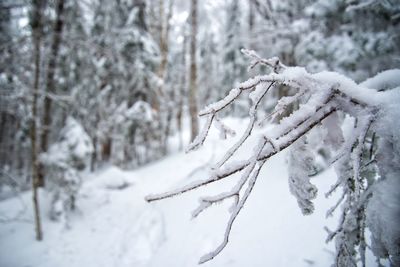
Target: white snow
{"points": [[384, 80], [117, 227], [74, 143]]}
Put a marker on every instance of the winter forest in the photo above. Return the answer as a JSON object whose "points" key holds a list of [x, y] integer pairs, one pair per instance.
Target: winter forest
{"points": [[199, 132]]}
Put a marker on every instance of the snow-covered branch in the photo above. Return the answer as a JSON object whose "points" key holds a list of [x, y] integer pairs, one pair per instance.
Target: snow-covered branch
{"points": [[274, 62], [318, 96]]}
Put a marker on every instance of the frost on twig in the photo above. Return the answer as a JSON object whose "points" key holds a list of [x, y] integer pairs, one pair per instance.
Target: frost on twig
{"points": [[199, 140], [224, 131], [274, 62], [300, 166], [319, 97]]}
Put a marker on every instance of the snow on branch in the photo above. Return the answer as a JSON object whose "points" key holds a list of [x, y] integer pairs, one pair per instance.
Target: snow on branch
{"points": [[318, 96], [273, 62], [362, 5], [199, 140]]}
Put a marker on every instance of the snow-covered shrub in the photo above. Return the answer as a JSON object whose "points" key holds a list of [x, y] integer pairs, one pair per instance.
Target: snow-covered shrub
{"points": [[364, 150], [64, 160], [346, 36], [136, 135]]}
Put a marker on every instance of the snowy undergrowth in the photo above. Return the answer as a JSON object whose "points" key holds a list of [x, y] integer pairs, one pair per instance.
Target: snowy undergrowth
{"points": [[114, 226]]}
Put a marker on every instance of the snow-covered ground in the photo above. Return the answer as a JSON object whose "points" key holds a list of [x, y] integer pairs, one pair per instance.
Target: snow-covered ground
{"points": [[114, 226]]}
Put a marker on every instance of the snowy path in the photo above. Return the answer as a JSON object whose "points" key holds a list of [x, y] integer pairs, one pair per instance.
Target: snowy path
{"points": [[118, 228]]}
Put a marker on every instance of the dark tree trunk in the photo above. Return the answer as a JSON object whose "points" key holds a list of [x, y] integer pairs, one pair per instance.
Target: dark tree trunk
{"points": [[182, 92], [50, 84], [36, 32], [93, 160], [106, 149]]}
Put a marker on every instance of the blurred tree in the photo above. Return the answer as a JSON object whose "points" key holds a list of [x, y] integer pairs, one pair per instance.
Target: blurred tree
{"points": [[194, 122]]}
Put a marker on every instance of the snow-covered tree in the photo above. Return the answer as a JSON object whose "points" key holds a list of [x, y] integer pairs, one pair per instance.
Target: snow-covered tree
{"points": [[136, 127], [15, 60], [233, 61], [63, 161], [346, 36], [119, 73], [209, 68], [359, 122]]}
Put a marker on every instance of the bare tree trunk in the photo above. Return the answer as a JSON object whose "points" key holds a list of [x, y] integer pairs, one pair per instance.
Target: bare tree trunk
{"points": [[36, 30], [164, 63], [167, 127], [163, 29], [163, 41], [93, 159], [106, 147], [251, 16], [193, 110], [182, 90], [50, 80]]}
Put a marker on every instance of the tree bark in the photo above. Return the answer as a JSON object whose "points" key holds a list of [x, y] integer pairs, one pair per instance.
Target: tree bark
{"points": [[168, 98], [106, 149], [193, 110], [93, 160], [251, 16], [36, 32], [182, 90], [162, 41], [50, 84]]}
